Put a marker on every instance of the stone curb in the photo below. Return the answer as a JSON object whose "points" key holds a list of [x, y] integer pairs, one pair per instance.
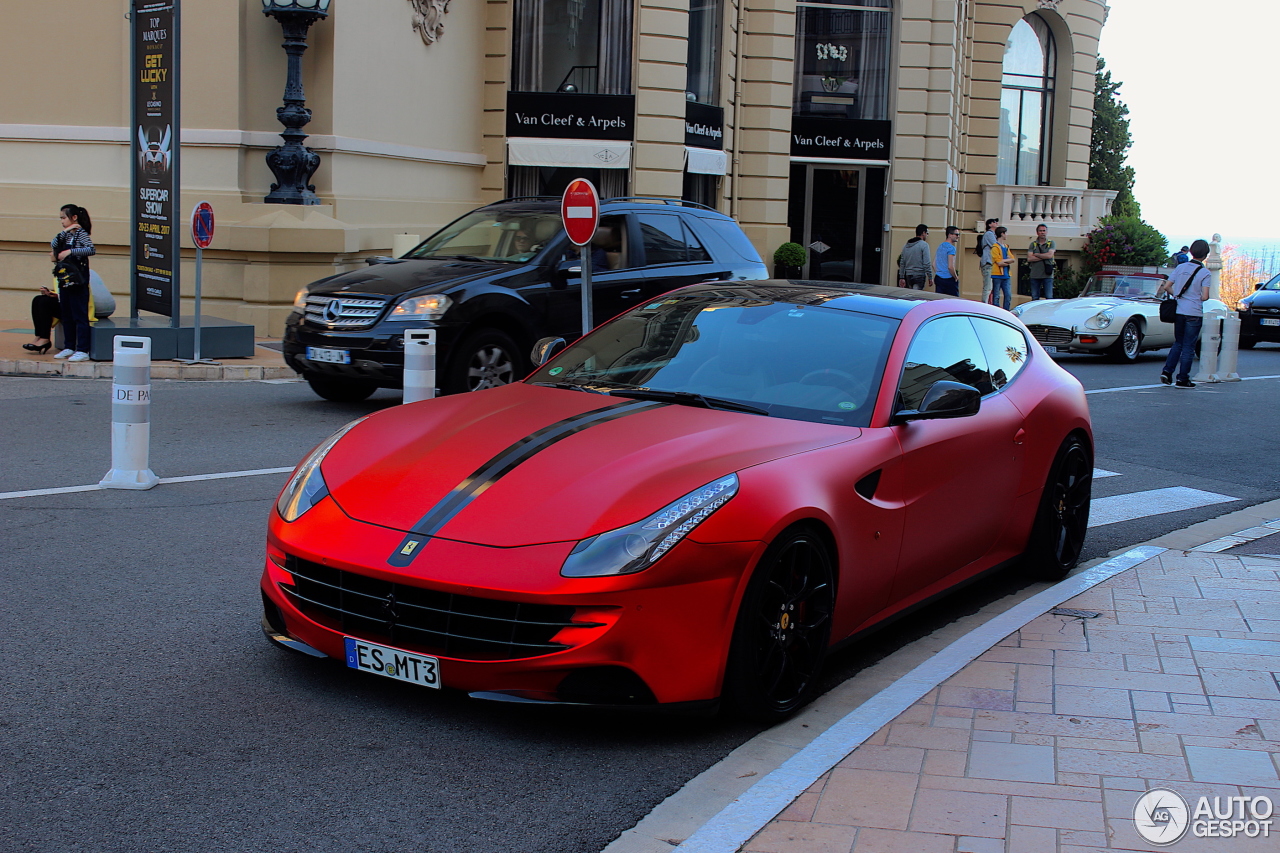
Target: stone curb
{"points": [[159, 370]]}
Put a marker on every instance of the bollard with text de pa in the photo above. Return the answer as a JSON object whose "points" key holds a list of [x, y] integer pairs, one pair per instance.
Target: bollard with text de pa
{"points": [[130, 416], [419, 364]]}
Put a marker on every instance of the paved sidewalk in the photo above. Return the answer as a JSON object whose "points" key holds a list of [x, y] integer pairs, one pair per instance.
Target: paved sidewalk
{"points": [[266, 363], [1047, 741]]}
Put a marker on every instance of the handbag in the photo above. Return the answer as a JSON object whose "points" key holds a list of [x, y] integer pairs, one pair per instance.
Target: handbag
{"points": [[1169, 305], [70, 272]]}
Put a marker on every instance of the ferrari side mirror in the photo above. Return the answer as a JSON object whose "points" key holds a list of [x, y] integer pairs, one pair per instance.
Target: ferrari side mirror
{"points": [[944, 399]]}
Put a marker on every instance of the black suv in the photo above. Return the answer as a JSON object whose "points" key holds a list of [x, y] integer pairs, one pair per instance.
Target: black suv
{"points": [[496, 280], [1260, 314]]}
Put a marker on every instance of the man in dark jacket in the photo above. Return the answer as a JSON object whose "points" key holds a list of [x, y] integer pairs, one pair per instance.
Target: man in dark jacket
{"points": [[915, 267]]}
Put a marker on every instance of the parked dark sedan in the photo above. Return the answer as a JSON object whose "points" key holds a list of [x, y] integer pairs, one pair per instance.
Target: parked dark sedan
{"points": [[496, 280], [1260, 314]]}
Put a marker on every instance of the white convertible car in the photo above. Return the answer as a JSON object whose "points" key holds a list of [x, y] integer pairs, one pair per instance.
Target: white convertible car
{"points": [[1117, 314]]}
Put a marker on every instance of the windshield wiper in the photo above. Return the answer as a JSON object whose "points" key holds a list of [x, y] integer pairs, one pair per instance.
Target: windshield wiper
{"points": [[572, 386], [460, 258], [687, 398]]}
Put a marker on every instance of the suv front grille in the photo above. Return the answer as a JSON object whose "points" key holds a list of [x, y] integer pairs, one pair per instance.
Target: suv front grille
{"points": [[1051, 335], [344, 312], [425, 620]]}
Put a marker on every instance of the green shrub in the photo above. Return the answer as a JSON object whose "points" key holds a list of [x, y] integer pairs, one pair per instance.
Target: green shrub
{"points": [[1123, 240], [790, 255], [1068, 281]]}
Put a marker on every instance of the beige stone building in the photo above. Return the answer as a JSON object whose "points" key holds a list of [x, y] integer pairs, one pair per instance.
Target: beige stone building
{"points": [[839, 125]]}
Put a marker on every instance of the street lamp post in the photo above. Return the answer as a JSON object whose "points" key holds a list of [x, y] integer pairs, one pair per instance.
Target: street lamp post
{"points": [[292, 163]]}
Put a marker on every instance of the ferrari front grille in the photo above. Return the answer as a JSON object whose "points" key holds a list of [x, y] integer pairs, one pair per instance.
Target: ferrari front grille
{"points": [[1051, 335], [343, 312], [425, 620]]}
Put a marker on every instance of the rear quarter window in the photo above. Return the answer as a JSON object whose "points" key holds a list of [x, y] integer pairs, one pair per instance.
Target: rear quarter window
{"points": [[731, 235]]}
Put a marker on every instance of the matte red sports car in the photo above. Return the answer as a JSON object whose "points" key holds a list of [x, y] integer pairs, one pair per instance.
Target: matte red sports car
{"points": [[691, 504]]}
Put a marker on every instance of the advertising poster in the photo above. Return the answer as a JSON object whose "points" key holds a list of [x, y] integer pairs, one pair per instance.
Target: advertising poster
{"points": [[154, 135]]}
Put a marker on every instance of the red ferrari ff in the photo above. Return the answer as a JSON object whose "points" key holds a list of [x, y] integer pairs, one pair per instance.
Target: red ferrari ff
{"points": [[690, 505]]}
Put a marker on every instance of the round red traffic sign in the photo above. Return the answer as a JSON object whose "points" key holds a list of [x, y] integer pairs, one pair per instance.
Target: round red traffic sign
{"points": [[202, 224], [580, 210]]}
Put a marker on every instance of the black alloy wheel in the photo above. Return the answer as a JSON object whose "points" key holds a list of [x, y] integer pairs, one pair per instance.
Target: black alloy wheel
{"points": [[1057, 537], [1129, 344], [341, 390], [484, 359], [783, 629]]}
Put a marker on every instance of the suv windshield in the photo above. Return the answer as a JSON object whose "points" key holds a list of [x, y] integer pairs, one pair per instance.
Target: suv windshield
{"points": [[488, 234], [784, 359], [1132, 286]]}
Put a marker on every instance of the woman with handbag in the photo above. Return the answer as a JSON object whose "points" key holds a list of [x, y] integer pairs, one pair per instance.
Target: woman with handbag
{"points": [[72, 247]]}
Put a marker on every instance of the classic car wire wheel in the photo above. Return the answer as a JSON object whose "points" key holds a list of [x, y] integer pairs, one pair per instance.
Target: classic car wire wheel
{"points": [[783, 629]]}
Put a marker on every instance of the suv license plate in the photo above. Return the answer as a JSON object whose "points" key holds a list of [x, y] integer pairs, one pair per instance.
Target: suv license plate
{"points": [[393, 663], [1270, 322], [333, 356]]}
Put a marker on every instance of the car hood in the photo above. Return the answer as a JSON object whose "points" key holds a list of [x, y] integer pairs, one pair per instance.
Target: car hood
{"points": [[1264, 299], [402, 276], [524, 465], [1073, 312]]}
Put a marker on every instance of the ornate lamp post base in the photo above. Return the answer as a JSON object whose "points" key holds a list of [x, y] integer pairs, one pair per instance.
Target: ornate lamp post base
{"points": [[292, 164]]}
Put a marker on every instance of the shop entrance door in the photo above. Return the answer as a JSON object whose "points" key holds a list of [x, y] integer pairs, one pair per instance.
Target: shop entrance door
{"points": [[837, 213]]}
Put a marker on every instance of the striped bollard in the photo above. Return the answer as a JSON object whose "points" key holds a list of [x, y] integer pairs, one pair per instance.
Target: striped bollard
{"points": [[130, 416], [419, 364]]}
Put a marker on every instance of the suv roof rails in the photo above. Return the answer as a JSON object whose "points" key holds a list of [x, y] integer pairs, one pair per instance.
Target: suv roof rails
{"points": [[644, 198]]}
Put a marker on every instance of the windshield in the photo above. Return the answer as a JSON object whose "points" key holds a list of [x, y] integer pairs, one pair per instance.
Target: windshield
{"points": [[790, 360], [1132, 286], [489, 234], [1274, 284]]}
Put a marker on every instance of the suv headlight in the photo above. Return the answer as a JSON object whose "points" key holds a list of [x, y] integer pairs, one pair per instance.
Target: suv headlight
{"points": [[300, 300], [429, 307], [637, 546], [306, 488], [1099, 321], [1243, 306]]}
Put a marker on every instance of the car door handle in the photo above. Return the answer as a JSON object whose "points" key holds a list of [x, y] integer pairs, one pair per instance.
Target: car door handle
{"points": [[630, 292], [1019, 436]]}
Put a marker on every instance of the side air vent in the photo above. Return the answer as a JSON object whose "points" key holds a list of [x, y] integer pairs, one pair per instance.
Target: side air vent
{"points": [[867, 485]]}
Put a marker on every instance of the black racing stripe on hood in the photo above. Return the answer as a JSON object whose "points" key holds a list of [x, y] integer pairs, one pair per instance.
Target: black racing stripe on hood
{"points": [[501, 465]]}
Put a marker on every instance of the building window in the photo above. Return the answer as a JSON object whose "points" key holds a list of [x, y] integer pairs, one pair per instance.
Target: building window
{"points": [[573, 46], [703, 78], [842, 59], [1026, 104]]}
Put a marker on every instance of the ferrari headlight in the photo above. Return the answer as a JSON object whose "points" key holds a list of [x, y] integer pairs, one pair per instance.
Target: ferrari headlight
{"points": [[637, 546], [307, 486], [1099, 321], [300, 300], [429, 307]]}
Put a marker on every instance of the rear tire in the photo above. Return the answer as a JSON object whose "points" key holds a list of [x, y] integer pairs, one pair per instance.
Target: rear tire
{"points": [[1057, 536], [484, 359], [341, 390], [783, 629]]}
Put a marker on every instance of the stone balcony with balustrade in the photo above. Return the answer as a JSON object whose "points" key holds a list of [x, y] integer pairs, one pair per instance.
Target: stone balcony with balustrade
{"points": [[1066, 212]]}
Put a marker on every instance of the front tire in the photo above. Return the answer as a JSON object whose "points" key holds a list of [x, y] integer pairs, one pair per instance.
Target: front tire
{"points": [[1129, 344], [341, 390], [1248, 342], [1057, 536], [484, 359], [783, 629]]}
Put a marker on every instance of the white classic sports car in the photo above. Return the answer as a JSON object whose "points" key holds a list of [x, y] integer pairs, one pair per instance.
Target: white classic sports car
{"points": [[1117, 314]]}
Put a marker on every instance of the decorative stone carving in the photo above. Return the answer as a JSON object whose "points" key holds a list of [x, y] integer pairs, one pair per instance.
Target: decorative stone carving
{"points": [[428, 18], [1049, 4]]}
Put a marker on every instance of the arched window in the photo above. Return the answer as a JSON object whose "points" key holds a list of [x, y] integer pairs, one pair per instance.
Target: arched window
{"points": [[1026, 104]]}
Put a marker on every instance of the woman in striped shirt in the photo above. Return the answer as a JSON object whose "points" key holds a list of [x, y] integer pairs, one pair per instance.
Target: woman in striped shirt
{"points": [[74, 245]]}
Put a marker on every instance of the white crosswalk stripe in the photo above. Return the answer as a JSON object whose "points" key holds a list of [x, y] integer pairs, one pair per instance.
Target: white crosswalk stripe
{"points": [[1127, 507]]}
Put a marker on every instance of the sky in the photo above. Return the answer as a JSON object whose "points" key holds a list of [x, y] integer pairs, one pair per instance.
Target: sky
{"points": [[1200, 82]]}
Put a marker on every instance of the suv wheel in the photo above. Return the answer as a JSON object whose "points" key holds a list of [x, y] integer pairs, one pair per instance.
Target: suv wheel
{"points": [[341, 390], [484, 359]]}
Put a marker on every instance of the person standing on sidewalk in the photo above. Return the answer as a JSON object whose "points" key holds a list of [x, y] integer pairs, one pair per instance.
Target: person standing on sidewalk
{"points": [[915, 264], [1001, 260], [1190, 284], [73, 244], [1040, 255], [984, 263], [945, 279]]}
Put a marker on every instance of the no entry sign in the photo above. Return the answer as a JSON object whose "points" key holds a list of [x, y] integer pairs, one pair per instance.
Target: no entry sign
{"points": [[202, 224], [580, 210]]}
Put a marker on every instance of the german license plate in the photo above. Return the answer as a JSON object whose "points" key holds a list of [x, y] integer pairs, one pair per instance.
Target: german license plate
{"points": [[1271, 322], [1051, 350], [333, 356], [393, 663]]}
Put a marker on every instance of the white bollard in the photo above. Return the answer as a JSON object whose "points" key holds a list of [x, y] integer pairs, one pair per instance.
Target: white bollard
{"points": [[1230, 348], [1210, 338], [419, 364], [130, 416]]}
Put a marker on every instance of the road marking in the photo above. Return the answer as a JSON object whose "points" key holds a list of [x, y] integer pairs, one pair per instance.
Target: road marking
{"points": [[66, 490], [1147, 387], [1154, 502], [1099, 473]]}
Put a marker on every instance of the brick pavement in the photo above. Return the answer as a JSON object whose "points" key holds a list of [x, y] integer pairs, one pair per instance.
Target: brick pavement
{"points": [[1046, 741]]}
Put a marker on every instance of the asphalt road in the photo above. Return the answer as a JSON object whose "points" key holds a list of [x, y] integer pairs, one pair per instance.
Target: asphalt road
{"points": [[144, 712]]}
